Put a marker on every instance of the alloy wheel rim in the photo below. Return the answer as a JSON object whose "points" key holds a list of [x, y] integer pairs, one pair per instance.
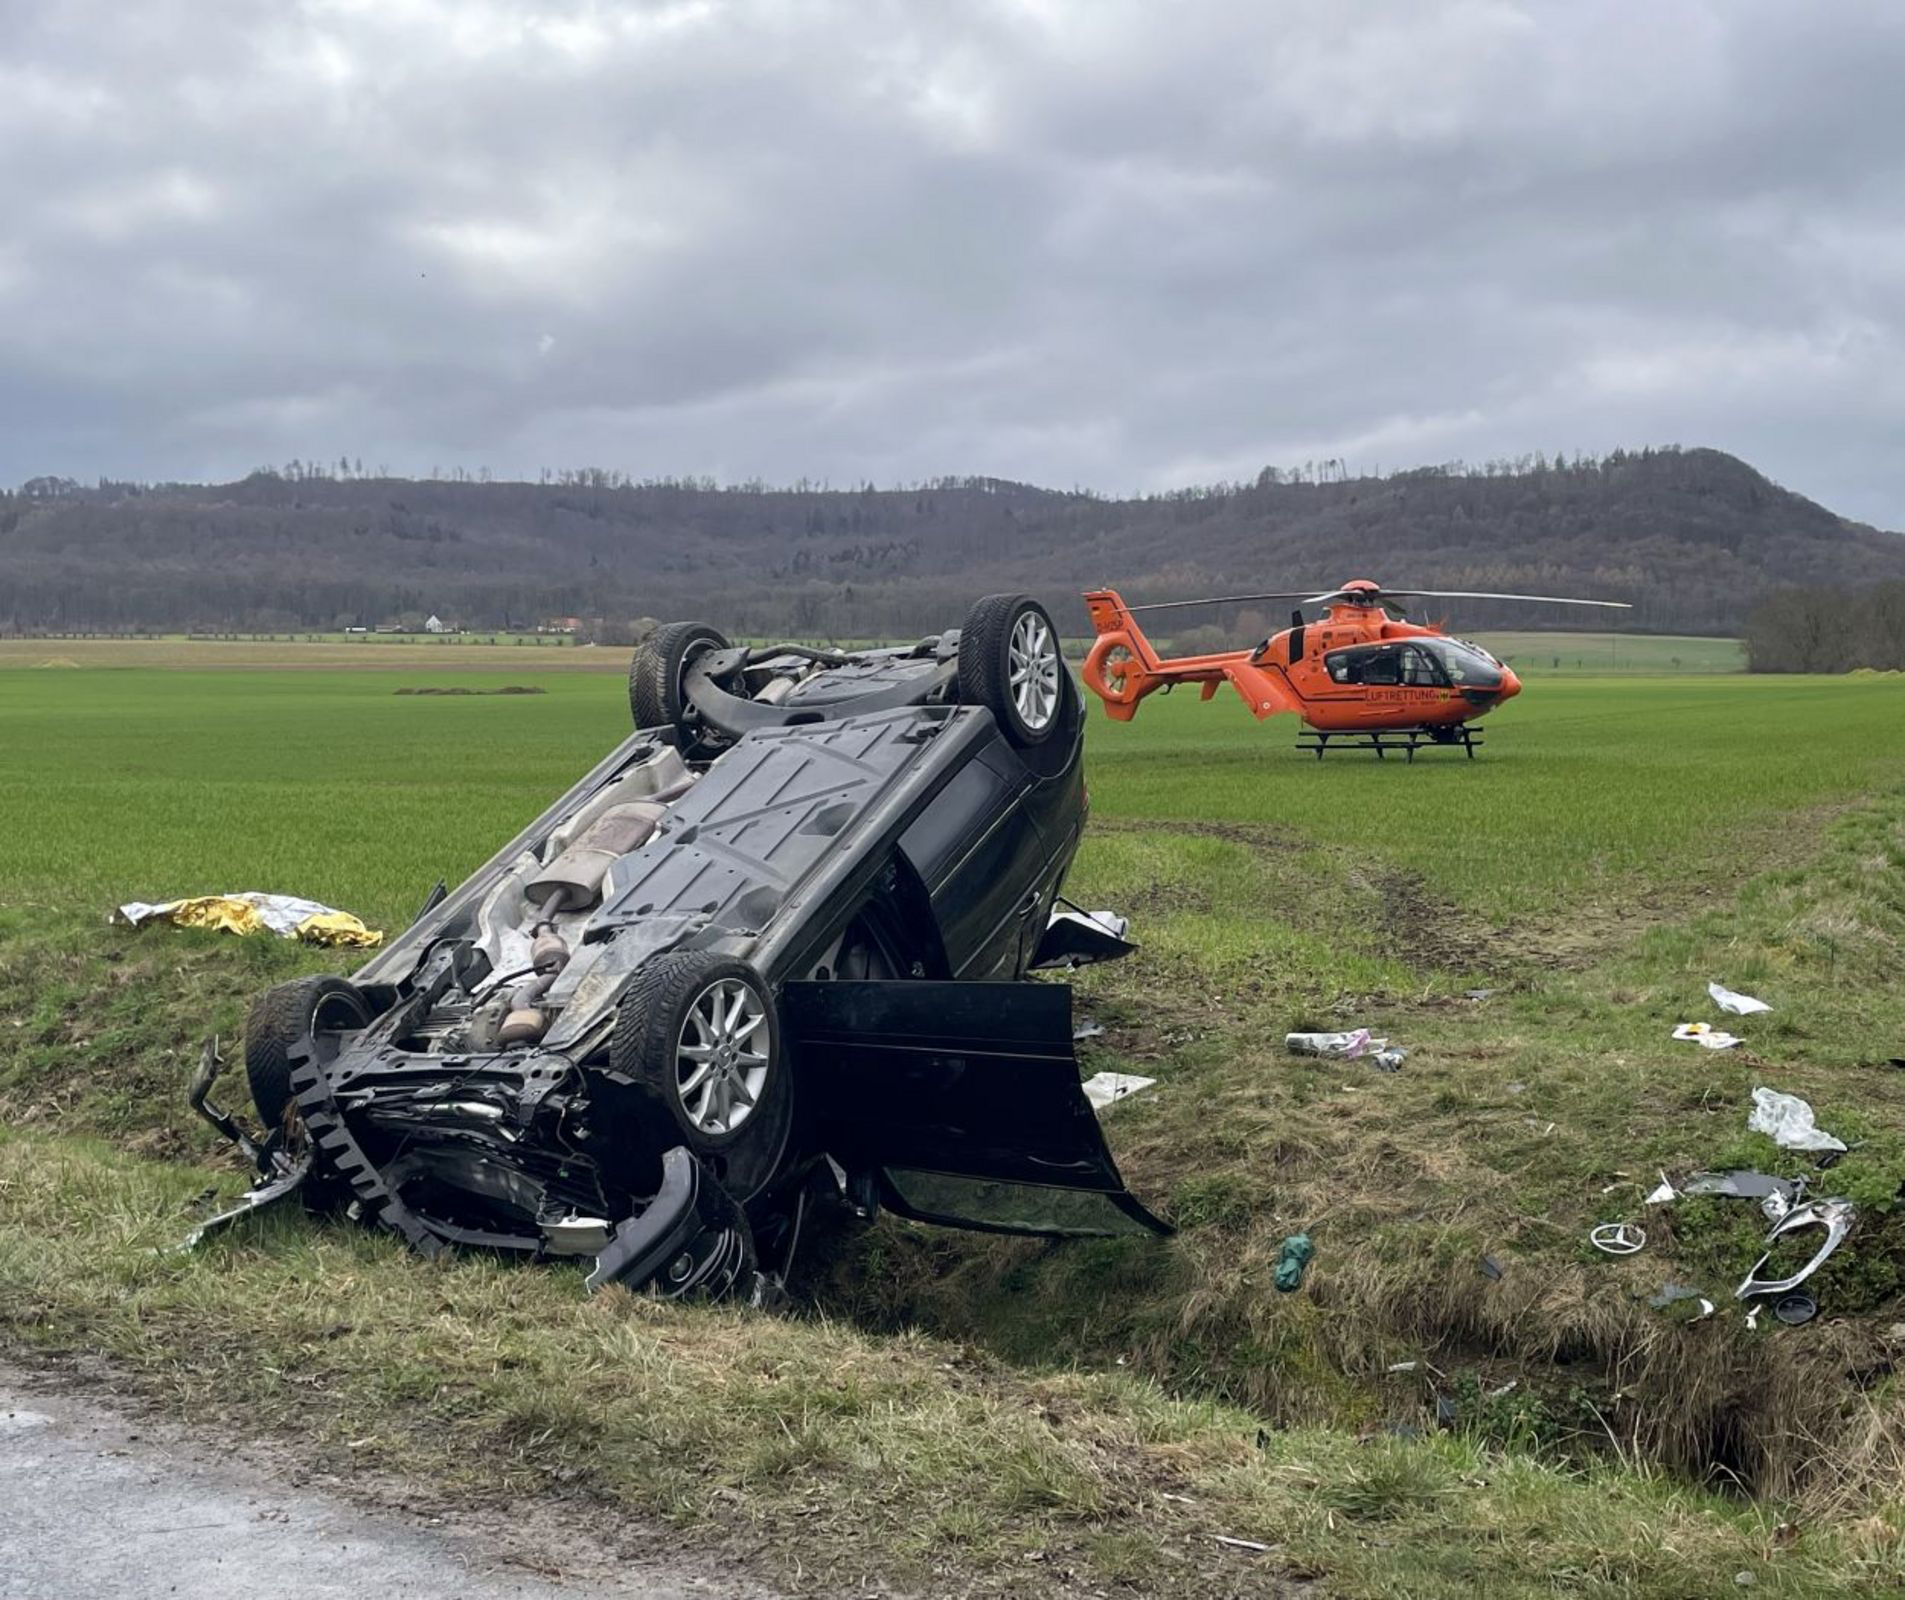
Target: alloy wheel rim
{"points": [[1032, 666], [721, 1057]]}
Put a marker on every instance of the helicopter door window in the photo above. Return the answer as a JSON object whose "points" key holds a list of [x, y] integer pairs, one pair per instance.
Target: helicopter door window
{"points": [[1379, 664], [1420, 670], [1382, 666]]}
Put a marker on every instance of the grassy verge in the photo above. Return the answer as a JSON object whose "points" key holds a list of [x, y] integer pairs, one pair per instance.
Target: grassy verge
{"points": [[1450, 1202], [831, 1458]]}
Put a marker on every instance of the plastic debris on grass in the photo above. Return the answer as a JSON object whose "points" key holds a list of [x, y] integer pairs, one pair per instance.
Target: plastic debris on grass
{"points": [[1795, 1310], [1835, 1216], [1783, 1200], [1347, 1046], [1357, 1044], [253, 911], [1706, 1035], [1686, 1304], [1740, 1005], [1107, 1088], [1291, 1260], [1789, 1121], [1776, 1196]]}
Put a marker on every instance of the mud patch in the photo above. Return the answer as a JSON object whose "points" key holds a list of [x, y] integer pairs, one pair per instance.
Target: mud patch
{"points": [[1430, 931]]}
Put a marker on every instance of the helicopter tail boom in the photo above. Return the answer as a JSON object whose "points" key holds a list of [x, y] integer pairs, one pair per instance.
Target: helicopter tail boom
{"points": [[1123, 666]]}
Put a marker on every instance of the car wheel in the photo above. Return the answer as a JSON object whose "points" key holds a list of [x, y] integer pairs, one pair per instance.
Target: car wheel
{"points": [[1009, 661], [284, 1017], [702, 1032], [656, 698]]}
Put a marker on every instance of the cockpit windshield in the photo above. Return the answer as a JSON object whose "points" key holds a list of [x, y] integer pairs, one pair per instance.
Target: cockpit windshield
{"points": [[1468, 666]]}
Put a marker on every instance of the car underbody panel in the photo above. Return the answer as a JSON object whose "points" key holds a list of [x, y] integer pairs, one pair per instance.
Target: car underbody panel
{"points": [[818, 891]]}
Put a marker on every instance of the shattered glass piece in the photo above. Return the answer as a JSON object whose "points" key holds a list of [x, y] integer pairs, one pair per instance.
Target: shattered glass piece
{"points": [[1789, 1120]]}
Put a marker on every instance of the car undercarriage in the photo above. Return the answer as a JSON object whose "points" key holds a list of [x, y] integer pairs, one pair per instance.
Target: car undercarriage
{"points": [[774, 950]]}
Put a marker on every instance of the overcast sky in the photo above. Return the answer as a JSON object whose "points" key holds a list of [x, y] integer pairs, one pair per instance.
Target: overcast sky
{"points": [[1125, 245]]}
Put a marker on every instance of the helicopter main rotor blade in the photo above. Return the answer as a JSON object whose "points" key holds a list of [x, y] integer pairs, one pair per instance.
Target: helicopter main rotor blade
{"points": [[1476, 594], [1214, 600]]}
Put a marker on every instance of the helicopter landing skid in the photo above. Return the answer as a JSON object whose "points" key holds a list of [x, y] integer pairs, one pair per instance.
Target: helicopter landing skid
{"points": [[1382, 741]]}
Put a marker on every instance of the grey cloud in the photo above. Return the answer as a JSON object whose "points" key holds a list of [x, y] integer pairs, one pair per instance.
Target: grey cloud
{"points": [[1076, 241]]}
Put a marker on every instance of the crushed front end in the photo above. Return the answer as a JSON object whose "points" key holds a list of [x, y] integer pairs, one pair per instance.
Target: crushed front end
{"points": [[524, 1153]]}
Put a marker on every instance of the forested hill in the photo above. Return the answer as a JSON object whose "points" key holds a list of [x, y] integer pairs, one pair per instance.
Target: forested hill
{"points": [[1691, 536]]}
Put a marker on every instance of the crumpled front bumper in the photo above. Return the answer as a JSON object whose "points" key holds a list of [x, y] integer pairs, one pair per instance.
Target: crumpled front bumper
{"points": [[688, 1237]]}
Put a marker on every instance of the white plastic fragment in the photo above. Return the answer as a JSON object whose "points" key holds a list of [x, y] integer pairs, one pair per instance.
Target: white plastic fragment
{"points": [[1347, 1046], [1790, 1122], [1665, 1193], [1241, 1544], [1109, 1087], [1701, 1033], [1741, 1005]]}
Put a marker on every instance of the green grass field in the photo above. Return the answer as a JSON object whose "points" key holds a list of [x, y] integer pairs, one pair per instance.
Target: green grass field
{"points": [[1541, 655], [1618, 841]]}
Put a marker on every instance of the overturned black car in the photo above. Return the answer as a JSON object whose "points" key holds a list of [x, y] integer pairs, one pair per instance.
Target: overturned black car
{"points": [[772, 949]]}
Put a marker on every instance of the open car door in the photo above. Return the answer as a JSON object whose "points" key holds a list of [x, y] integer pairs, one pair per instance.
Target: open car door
{"points": [[963, 1099]]}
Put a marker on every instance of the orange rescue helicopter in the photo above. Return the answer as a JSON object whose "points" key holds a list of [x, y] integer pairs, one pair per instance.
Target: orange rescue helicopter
{"points": [[1356, 675]]}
